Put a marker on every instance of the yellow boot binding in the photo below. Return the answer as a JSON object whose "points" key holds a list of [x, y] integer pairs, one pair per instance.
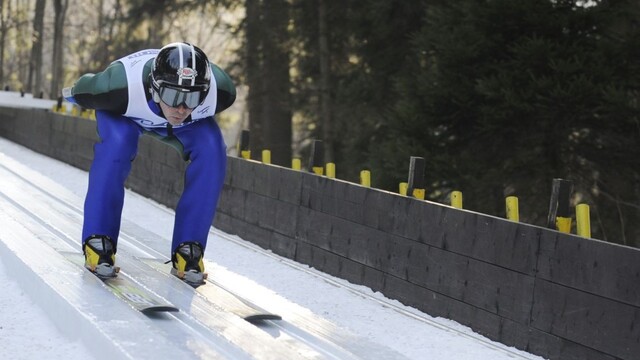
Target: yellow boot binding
{"points": [[188, 264], [99, 256]]}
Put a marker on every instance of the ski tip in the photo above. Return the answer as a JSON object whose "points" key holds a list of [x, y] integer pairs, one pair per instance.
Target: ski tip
{"points": [[159, 309], [257, 318]]}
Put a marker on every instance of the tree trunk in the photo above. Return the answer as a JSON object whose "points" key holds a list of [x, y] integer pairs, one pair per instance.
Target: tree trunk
{"points": [[60, 7], [254, 68], [325, 82], [4, 28], [277, 104], [34, 84]]}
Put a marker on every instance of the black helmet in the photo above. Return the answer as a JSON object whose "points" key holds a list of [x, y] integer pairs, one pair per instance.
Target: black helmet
{"points": [[180, 75]]}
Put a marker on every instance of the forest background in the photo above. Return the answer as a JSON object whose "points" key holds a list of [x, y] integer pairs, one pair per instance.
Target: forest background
{"points": [[499, 96]]}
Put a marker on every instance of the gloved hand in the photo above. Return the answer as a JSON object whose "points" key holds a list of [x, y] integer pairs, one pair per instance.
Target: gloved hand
{"points": [[68, 95]]}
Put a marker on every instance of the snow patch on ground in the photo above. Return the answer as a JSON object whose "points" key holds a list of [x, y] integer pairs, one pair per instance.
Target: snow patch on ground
{"points": [[26, 332]]}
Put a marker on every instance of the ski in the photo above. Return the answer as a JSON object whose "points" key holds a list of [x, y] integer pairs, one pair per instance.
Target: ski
{"points": [[219, 295], [127, 290]]}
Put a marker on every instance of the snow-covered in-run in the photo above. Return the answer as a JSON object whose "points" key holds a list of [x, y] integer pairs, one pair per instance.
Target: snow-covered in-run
{"points": [[51, 308]]}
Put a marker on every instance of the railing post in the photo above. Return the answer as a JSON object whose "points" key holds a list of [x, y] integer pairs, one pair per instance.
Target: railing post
{"points": [[331, 170], [559, 216], [59, 104], [513, 213], [243, 145], [415, 187], [296, 164], [456, 199], [316, 163], [583, 221], [365, 178], [266, 156]]}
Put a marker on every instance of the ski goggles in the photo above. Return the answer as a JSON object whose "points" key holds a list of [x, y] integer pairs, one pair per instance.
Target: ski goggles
{"points": [[175, 97]]}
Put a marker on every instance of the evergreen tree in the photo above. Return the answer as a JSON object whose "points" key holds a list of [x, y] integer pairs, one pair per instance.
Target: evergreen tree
{"points": [[267, 74], [368, 43], [501, 97]]}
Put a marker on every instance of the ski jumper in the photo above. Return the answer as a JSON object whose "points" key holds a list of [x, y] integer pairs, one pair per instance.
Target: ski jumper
{"points": [[124, 112]]}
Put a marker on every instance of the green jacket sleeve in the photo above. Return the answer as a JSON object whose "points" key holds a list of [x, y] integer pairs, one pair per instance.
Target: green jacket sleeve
{"points": [[106, 90], [226, 88]]}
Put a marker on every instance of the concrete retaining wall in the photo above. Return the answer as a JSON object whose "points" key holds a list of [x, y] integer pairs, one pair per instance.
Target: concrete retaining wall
{"points": [[549, 293]]}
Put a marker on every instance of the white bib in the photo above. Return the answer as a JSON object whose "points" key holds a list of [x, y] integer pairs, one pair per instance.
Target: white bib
{"points": [[138, 109]]}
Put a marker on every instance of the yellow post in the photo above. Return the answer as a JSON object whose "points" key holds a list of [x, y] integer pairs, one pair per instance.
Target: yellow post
{"points": [[331, 170], [318, 170], [403, 188], [296, 164], [365, 178], [245, 154], [456, 199], [513, 213], [419, 193], [563, 224], [266, 156], [583, 220]]}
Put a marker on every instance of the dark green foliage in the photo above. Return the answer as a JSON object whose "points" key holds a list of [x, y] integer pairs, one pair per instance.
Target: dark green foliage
{"points": [[499, 96], [369, 44], [503, 96]]}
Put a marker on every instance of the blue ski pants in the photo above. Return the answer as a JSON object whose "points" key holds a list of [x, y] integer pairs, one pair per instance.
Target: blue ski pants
{"points": [[204, 148]]}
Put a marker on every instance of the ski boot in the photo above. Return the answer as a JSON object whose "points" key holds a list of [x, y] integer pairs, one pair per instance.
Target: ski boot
{"points": [[188, 265], [99, 256]]}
